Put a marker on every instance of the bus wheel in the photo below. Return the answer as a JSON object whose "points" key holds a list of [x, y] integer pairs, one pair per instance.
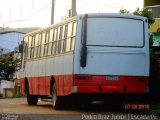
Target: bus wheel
{"points": [[56, 100], [31, 99], [113, 103]]}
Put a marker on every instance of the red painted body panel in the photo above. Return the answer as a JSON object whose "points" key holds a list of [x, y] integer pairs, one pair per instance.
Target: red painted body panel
{"points": [[47, 85], [88, 89], [100, 84], [59, 83], [41, 85], [68, 84], [64, 85], [87, 84], [22, 86], [33, 85]]}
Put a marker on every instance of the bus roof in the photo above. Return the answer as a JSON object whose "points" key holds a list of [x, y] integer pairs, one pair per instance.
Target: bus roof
{"points": [[115, 15], [51, 26], [119, 15]]}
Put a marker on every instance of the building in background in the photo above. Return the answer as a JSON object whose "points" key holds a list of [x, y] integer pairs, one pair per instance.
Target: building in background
{"points": [[12, 85], [6, 85], [154, 6], [15, 55], [10, 38]]}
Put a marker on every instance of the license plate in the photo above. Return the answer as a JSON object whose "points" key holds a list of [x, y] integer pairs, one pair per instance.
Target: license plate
{"points": [[111, 77]]}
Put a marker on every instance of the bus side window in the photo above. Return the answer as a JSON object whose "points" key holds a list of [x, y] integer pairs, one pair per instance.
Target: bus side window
{"points": [[64, 35], [42, 45], [50, 42], [69, 34], [25, 51], [63, 38], [46, 44], [54, 41], [58, 31], [59, 40], [39, 45], [73, 35], [32, 46], [29, 47], [36, 46]]}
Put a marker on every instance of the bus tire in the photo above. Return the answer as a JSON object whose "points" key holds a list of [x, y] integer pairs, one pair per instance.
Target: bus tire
{"points": [[31, 99], [56, 100], [113, 103]]}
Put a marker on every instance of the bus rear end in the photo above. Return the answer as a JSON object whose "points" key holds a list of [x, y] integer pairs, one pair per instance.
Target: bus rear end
{"points": [[111, 55]]}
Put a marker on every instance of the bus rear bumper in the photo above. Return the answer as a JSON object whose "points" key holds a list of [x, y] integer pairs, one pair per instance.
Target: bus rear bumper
{"points": [[110, 84], [111, 89]]}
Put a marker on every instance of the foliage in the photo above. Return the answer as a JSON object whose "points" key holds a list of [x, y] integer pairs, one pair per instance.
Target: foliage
{"points": [[144, 13], [151, 40], [8, 65], [158, 30], [124, 11], [17, 95]]}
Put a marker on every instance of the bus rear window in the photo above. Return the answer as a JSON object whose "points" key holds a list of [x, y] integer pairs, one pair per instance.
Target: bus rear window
{"points": [[120, 32]]}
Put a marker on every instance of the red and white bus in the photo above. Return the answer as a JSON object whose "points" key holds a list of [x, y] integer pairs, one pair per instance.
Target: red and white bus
{"points": [[91, 54]]}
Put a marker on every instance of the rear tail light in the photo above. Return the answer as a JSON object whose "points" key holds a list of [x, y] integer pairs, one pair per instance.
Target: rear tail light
{"points": [[142, 79], [81, 77]]}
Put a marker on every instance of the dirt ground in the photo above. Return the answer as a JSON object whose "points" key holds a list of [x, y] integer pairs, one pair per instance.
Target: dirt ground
{"points": [[20, 106], [18, 109]]}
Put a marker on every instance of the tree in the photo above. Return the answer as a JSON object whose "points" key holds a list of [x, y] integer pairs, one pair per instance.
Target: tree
{"points": [[8, 66], [144, 13], [124, 11]]}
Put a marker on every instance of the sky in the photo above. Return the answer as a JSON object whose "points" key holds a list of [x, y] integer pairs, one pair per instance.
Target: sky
{"points": [[25, 13], [37, 13], [30, 13], [10, 41]]}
